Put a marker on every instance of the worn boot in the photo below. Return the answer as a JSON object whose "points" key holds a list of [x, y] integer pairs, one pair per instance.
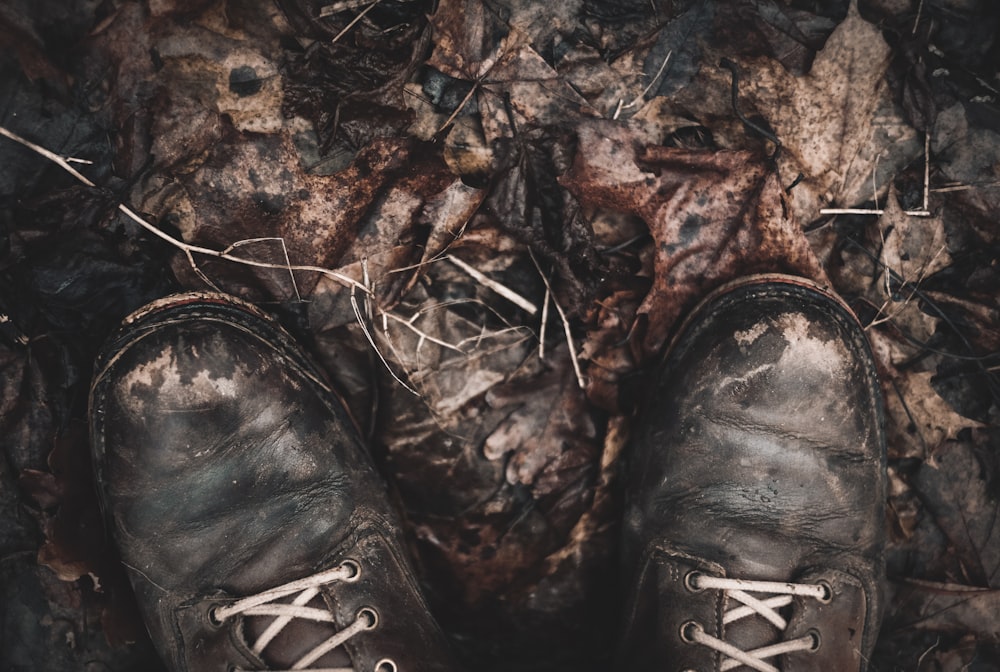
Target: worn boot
{"points": [[252, 523], [754, 525]]}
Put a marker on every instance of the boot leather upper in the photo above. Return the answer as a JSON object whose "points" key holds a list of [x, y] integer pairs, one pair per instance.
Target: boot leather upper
{"points": [[227, 467], [761, 456]]}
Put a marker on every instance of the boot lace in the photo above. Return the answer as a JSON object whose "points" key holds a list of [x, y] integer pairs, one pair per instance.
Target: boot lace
{"points": [[263, 604], [739, 590]]}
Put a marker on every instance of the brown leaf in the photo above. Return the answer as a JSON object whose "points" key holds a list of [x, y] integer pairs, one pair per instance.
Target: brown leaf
{"points": [[468, 38], [826, 119], [913, 248], [714, 216], [918, 420], [950, 608], [951, 483], [836, 124]]}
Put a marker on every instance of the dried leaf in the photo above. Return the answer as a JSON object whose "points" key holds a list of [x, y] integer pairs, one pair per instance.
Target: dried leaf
{"points": [[918, 420], [952, 485], [915, 247], [949, 608], [705, 211], [836, 124]]}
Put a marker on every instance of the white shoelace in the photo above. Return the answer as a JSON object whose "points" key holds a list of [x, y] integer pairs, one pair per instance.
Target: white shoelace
{"points": [[263, 604], [739, 589]]}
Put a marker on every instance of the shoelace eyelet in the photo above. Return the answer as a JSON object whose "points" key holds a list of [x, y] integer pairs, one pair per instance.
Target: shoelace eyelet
{"points": [[827, 592], [687, 631], [352, 566], [386, 665], [691, 581], [370, 616], [817, 640], [213, 617]]}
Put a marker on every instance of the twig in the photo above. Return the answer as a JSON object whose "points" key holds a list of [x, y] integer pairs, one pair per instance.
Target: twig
{"points": [[870, 211], [635, 101], [284, 251], [500, 289], [371, 341], [459, 107], [353, 22], [565, 322], [735, 93], [927, 166], [545, 321], [924, 212], [342, 6], [424, 336], [188, 249]]}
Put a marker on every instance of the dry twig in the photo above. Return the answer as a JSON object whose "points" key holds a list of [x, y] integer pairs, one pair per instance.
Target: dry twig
{"points": [[188, 249]]}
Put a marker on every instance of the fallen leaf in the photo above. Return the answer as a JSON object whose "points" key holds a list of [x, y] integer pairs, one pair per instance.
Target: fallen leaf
{"points": [[837, 124], [918, 420], [913, 249], [704, 209], [951, 483], [949, 608]]}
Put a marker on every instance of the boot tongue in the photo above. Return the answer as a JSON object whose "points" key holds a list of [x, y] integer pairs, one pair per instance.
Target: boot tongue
{"points": [[295, 640], [766, 556]]}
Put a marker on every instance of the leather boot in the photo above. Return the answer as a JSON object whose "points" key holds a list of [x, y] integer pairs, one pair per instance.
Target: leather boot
{"points": [[754, 523], [254, 527]]}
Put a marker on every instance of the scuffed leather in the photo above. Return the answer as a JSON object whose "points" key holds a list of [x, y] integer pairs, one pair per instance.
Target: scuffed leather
{"points": [[662, 605], [762, 453], [227, 467]]}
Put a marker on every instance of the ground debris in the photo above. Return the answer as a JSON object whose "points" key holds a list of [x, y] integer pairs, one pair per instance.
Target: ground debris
{"points": [[485, 219]]}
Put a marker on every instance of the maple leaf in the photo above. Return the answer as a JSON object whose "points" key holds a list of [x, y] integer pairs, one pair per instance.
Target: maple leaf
{"points": [[913, 249], [951, 484], [714, 216], [836, 124], [918, 420]]}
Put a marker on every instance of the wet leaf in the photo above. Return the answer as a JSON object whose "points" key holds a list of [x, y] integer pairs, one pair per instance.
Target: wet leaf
{"points": [[918, 419], [704, 210], [952, 484]]}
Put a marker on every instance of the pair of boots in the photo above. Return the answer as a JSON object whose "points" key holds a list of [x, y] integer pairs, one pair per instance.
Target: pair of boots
{"points": [[258, 535]]}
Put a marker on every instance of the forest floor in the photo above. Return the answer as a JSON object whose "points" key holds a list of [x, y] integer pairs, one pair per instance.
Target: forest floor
{"points": [[484, 219]]}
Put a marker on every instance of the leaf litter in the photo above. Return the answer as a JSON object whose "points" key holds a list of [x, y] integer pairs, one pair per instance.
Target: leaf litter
{"points": [[466, 210]]}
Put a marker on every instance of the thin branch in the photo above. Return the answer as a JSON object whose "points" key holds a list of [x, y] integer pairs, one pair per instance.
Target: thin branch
{"points": [[500, 289], [545, 320], [424, 336], [635, 101], [580, 380], [353, 22], [371, 341], [870, 211], [188, 249]]}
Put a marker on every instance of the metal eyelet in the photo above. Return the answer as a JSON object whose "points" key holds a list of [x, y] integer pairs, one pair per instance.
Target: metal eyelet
{"points": [[688, 628], [386, 665], [817, 640], [691, 581], [827, 591], [213, 619], [354, 567], [370, 616]]}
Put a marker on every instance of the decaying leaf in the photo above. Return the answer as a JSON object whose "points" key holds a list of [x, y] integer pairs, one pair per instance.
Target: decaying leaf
{"points": [[918, 420], [946, 608], [704, 209], [836, 124], [913, 249], [952, 484]]}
